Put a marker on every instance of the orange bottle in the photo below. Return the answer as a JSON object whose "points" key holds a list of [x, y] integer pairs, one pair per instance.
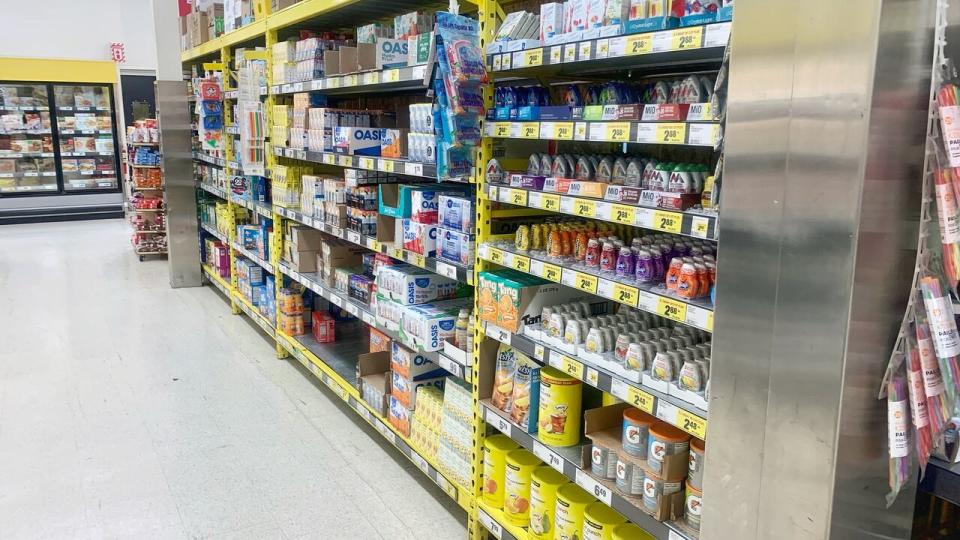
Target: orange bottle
{"points": [[673, 273]]}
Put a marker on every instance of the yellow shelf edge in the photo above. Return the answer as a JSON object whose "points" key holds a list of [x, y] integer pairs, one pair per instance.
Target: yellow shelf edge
{"points": [[216, 277], [464, 494], [518, 532], [253, 309]]}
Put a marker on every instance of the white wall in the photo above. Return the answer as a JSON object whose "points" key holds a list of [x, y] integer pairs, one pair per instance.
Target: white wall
{"points": [[80, 30]]}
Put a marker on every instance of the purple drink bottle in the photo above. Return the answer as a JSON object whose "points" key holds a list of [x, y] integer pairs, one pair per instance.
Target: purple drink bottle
{"points": [[626, 265], [645, 270]]}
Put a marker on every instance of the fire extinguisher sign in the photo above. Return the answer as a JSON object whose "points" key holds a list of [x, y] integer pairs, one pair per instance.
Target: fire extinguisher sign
{"points": [[117, 52]]}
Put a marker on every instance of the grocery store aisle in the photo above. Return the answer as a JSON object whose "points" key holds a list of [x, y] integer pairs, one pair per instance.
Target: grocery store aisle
{"points": [[131, 410]]}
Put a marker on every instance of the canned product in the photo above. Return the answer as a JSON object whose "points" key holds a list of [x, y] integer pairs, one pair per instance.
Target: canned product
{"points": [[630, 477], [544, 483], [599, 520], [654, 488], [695, 463], [665, 440], [559, 409], [693, 507], [603, 461], [495, 449], [516, 503], [630, 531], [571, 503], [636, 431]]}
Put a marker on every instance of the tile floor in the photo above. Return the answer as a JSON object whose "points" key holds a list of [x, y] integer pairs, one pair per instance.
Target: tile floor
{"points": [[132, 410]]}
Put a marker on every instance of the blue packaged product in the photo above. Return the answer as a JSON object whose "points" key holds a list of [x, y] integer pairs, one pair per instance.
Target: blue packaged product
{"points": [[456, 213], [463, 60]]}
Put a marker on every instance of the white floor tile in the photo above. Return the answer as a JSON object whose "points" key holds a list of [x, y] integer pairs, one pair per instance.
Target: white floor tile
{"points": [[132, 410]]}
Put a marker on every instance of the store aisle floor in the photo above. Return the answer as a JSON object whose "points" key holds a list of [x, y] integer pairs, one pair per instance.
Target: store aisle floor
{"points": [[132, 410]]}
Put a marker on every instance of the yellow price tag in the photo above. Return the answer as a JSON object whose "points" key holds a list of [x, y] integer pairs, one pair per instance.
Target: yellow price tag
{"points": [[333, 82], [692, 424], [563, 131], [517, 197], [530, 130], [639, 44], [673, 133], [396, 253], [580, 131], [618, 131], [521, 263], [419, 260], [353, 80], [329, 159], [709, 325], [672, 309], [603, 47], [586, 282], [640, 399], [667, 221], [687, 38], [387, 166], [496, 256], [584, 208], [344, 161], [623, 214], [366, 163], [550, 202], [555, 54], [391, 75], [700, 227], [501, 129], [533, 57], [626, 294], [552, 272], [571, 367]]}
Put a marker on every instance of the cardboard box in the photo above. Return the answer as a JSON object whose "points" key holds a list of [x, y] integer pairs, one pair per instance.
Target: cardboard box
{"points": [[411, 364], [331, 63], [391, 53], [304, 238], [379, 342], [375, 391], [418, 49], [399, 416], [359, 141], [277, 5], [603, 427], [303, 261], [393, 143], [198, 28], [405, 390], [419, 238]]}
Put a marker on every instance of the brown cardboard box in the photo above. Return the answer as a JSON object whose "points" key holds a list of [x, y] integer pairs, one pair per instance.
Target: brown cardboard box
{"points": [[331, 63], [183, 25], [348, 59], [303, 261], [366, 56], [304, 238], [277, 5], [198, 28], [603, 427]]}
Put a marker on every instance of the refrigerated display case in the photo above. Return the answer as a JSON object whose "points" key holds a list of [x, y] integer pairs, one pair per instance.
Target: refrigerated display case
{"points": [[27, 158], [57, 139], [87, 137]]}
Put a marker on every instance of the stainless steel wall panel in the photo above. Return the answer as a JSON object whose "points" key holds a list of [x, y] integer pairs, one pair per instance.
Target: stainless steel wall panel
{"points": [[180, 188], [822, 151]]}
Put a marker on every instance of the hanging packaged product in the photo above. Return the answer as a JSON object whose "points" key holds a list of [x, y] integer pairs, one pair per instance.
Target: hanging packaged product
{"points": [[940, 316], [948, 102]]}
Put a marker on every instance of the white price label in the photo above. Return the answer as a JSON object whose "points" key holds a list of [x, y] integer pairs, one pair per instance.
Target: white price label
{"points": [[363, 412], [618, 389], [451, 366], [498, 422], [491, 525], [419, 461], [593, 377], [594, 487], [447, 270], [674, 535], [548, 456], [354, 236], [703, 134], [498, 334], [538, 352], [415, 169], [570, 52], [386, 432]]}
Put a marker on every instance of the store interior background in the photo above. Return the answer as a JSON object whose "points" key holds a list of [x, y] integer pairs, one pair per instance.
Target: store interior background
{"points": [[83, 31]]}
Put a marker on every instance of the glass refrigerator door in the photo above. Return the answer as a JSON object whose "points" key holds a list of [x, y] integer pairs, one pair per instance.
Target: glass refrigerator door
{"points": [[88, 157], [27, 163]]}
